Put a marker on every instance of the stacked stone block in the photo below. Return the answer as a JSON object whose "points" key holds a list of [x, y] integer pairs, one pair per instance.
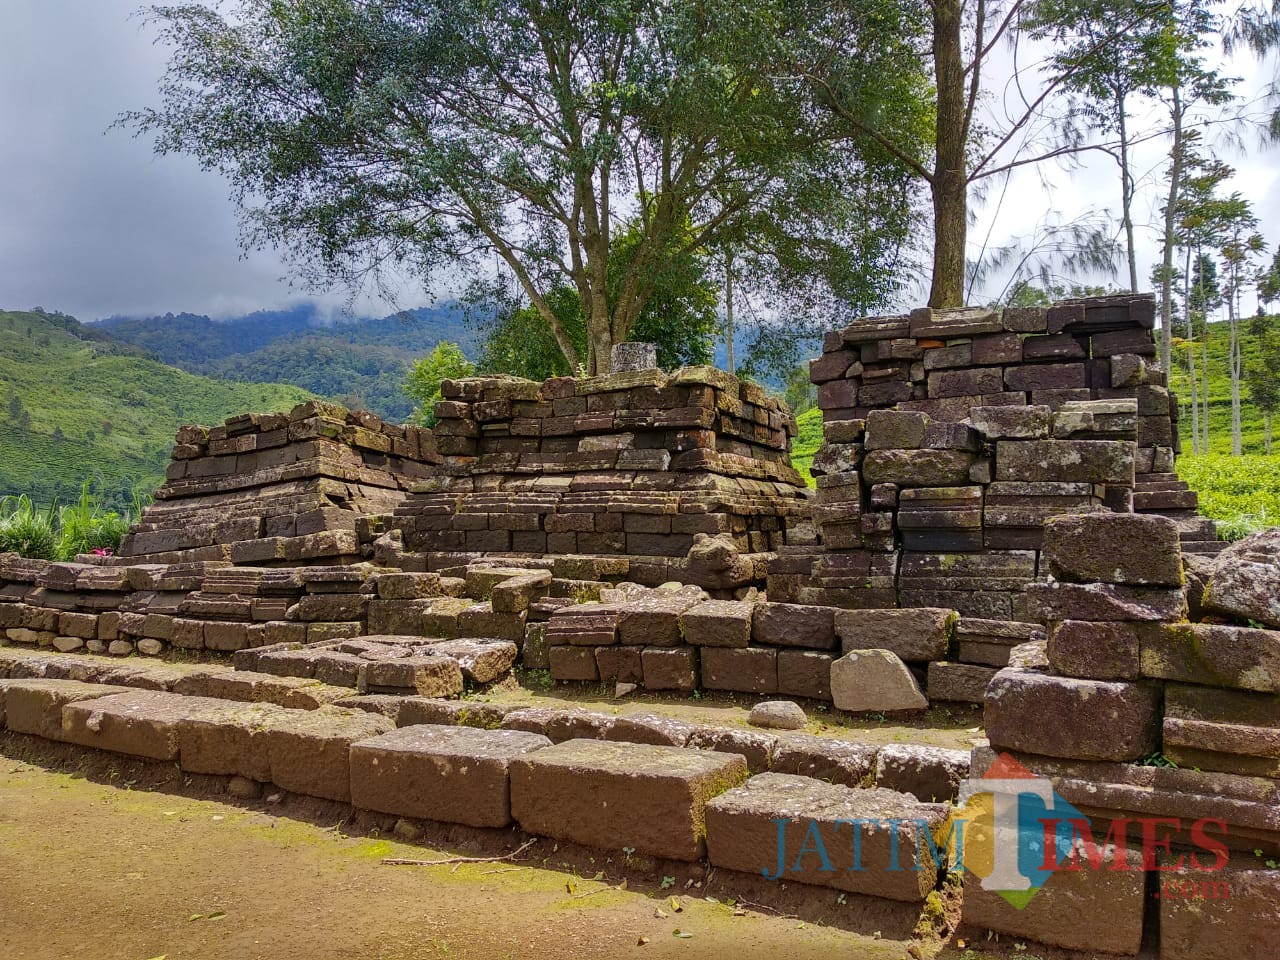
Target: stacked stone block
{"points": [[1132, 712], [275, 489], [951, 437], [639, 464]]}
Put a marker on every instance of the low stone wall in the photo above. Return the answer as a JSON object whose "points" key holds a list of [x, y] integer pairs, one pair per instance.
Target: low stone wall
{"points": [[1149, 726], [952, 436], [639, 465], [275, 489]]}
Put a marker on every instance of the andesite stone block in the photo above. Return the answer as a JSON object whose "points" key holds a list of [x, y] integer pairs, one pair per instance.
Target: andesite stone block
{"points": [[445, 773], [1130, 549], [931, 774], [1064, 717], [1103, 601], [1095, 651], [794, 625], [1094, 911], [1213, 654], [613, 795], [863, 832], [922, 633]]}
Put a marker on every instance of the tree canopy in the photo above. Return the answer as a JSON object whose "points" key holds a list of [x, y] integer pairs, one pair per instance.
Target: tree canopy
{"points": [[445, 137]]}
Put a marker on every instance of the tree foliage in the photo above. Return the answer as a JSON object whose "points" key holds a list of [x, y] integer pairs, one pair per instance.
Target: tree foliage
{"points": [[445, 362], [434, 136]]}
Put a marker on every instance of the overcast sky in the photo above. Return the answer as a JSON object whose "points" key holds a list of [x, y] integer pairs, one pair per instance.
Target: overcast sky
{"points": [[92, 223]]}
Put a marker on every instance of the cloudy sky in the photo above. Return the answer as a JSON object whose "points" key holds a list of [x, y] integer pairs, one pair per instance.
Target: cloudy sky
{"points": [[93, 223]]}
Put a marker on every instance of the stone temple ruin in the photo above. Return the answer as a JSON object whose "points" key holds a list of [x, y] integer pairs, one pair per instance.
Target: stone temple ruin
{"points": [[996, 521]]}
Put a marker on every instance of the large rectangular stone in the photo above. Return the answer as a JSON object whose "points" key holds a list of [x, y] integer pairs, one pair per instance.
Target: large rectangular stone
{"points": [[34, 706], [308, 749], [614, 795], [922, 634], [1079, 719], [805, 673], [1123, 548], [749, 670], [918, 468], [142, 723], [1212, 654], [1102, 601], [869, 841], [1094, 911], [450, 774], [653, 620], [958, 682], [718, 623], [1228, 914], [229, 740], [1069, 461], [1095, 651], [794, 625]]}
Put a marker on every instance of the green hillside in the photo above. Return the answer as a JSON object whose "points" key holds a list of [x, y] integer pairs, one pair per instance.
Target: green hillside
{"points": [[1216, 345], [77, 408], [359, 361]]}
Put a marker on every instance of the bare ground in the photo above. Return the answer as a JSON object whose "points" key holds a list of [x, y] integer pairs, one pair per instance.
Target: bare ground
{"points": [[109, 858]]}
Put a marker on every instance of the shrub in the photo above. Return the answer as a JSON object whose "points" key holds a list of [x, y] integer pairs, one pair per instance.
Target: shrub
{"points": [[27, 530], [84, 527]]}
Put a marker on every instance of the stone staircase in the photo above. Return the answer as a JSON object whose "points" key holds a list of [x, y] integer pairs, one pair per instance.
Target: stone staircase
{"points": [[1165, 494]]}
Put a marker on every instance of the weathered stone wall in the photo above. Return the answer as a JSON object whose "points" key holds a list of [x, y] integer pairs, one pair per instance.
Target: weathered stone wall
{"points": [[291, 488], [632, 465], [952, 436], [1150, 726]]}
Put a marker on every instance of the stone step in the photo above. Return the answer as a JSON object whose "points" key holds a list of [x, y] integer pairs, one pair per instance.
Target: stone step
{"points": [[651, 799], [303, 751], [1160, 500], [889, 833], [34, 706], [1204, 547], [443, 773]]}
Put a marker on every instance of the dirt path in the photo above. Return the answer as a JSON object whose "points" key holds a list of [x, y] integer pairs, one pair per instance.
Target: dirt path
{"points": [[109, 873]]}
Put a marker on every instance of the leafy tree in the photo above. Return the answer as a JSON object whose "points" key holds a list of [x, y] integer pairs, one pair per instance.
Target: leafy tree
{"points": [[679, 317], [1113, 69], [1242, 244], [1263, 379], [445, 362], [429, 135], [1269, 283], [959, 40]]}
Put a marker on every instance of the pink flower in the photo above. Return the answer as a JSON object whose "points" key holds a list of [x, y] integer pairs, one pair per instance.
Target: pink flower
{"points": [[103, 552]]}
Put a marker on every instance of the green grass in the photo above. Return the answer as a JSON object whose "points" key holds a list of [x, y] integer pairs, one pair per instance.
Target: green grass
{"points": [[1217, 341], [61, 532], [1241, 493], [806, 442], [76, 408]]}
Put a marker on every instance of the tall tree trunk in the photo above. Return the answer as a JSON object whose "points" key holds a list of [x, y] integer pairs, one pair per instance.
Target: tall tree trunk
{"points": [[1126, 194], [1204, 385], [1170, 225], [728, 310], [1191, 356], [1233, 365], [950, 178]]}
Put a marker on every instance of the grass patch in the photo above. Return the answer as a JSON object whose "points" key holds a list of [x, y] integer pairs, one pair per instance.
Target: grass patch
{"points": [[61, 533], [1241, 493]]}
